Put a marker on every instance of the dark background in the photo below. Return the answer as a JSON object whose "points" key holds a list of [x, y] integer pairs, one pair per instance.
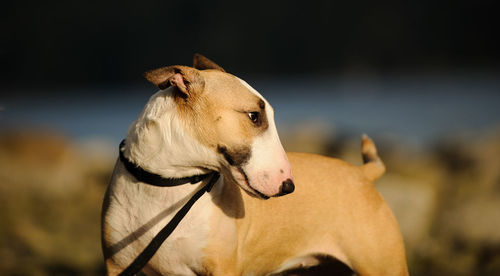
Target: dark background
{"points": [[95, 42]]}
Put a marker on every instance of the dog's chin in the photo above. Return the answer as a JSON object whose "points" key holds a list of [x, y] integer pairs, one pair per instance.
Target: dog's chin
{"points": [[255, 193], [240, 177]]}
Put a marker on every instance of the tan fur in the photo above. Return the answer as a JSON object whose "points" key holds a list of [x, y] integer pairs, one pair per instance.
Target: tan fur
{"points": [[373, 167], [217, 122], [334, 210]]}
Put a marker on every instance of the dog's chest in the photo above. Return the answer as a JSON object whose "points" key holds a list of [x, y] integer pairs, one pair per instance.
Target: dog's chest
{"points": [[138, 212]]}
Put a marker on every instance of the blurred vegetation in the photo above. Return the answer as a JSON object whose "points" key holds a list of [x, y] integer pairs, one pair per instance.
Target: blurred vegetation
{"points": [[50, 194], [446, 197]]}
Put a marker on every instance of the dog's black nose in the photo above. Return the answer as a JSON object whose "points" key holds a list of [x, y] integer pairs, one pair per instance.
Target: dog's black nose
{"points": [[287, 187]]}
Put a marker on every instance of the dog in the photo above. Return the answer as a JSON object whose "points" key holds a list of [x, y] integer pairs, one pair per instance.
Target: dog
{"points": [[257, 219]]}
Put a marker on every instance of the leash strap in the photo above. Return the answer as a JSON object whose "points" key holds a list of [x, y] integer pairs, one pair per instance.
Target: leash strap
{"points": [[158, 240]]}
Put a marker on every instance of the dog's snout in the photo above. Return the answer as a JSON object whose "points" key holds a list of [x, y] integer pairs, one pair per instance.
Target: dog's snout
{"points": [[287, 187]]}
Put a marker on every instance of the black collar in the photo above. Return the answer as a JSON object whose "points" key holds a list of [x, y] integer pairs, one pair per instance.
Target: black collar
{"points": [[155, 179]]}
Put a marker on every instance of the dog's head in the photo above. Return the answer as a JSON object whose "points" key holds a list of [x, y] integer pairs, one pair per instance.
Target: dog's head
{"points": [[217, 121]]}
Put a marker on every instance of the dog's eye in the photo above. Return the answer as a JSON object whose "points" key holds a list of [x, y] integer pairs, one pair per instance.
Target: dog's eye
{"points": [[254, 117]]}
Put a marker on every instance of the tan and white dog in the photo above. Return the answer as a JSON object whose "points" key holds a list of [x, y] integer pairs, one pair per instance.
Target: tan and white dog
{"points": [[204, 119]]}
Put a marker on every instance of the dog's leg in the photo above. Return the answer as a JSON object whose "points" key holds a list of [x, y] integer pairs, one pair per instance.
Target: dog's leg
{"points": [[388, 256], [375, 244]]}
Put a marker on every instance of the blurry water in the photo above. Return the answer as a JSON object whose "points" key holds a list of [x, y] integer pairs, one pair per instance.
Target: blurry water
{"points": [[415, 109]]}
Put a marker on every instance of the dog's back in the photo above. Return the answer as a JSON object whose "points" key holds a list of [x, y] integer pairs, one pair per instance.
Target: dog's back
{"points": [[345, 203], [334, 211]]}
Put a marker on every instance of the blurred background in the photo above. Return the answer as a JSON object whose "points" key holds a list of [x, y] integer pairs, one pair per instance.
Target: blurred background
{"points": [[420, 77]]}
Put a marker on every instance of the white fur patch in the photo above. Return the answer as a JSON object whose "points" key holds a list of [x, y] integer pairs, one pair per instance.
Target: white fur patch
{"points": [[268, 166], [138, 211], [158, 143]]}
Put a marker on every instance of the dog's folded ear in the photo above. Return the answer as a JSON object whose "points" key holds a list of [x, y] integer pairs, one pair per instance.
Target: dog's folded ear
{"points": [[186, 79], [200, 62]]}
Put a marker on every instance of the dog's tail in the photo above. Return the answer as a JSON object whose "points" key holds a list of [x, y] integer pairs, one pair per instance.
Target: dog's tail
{"points": [[373, 166]]}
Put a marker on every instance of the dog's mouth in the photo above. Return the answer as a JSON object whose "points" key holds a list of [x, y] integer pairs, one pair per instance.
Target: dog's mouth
{"points": [[245, 182]]}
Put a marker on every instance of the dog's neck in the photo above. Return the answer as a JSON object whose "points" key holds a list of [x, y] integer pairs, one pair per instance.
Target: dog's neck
{"points": [[157, 141]]}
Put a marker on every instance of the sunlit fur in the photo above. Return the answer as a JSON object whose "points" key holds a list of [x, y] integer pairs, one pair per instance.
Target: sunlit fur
{"points": [[268, 156], [157, 141], [137, 211], [334, 211], [161, 142]]}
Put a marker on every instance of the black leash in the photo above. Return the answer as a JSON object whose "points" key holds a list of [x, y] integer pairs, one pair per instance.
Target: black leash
{"points": [[142, 175]]}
